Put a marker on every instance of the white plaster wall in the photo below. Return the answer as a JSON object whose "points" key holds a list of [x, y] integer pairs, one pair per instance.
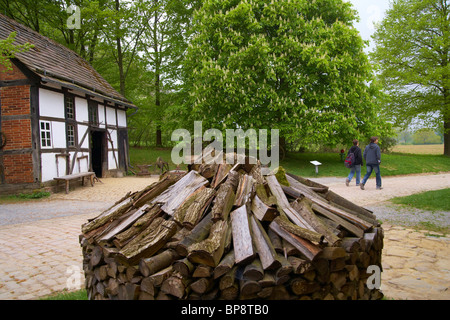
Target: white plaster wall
{"points": [[51, 104], [110, 116], [81, 110], [61, 165], [122, 118], [84, 163], [48, 163], [101, 115], [113, 135], [59, 134], [81, 131], [111, 161]]}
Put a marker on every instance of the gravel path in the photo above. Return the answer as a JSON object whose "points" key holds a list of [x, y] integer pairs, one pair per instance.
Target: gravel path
{"points": [[378, 200]]}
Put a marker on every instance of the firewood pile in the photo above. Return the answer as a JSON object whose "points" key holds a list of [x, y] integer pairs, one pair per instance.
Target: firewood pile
{"points": [[229, 232]]}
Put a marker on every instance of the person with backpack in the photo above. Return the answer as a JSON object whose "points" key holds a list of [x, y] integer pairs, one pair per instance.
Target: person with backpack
{"points": [[354, 162], [372, 156]]}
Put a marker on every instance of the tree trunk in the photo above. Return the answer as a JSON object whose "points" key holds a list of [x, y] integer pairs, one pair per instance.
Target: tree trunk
{"points": [[447, 136], [120, 56]]}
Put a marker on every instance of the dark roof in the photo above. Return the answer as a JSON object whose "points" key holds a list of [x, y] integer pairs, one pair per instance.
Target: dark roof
{"points": [[53, 62]]}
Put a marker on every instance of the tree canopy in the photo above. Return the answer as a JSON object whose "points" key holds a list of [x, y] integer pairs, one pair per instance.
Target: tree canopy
{"points": [[298, 66], [412, 52]]}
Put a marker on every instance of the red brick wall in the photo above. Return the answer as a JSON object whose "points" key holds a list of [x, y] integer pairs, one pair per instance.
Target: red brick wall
{"points": [[15, 101]]}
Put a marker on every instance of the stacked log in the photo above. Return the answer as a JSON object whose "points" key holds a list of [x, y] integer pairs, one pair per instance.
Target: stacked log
{"points": [[228, 232]]}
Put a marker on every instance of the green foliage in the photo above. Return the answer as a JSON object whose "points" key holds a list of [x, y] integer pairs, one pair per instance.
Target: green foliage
{"points": [[8, 50], [426, 136], [412, 52], [297, 66]]}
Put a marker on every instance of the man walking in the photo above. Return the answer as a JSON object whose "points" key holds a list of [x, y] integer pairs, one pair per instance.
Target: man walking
{"points": [[372, 156], [356, 166]]}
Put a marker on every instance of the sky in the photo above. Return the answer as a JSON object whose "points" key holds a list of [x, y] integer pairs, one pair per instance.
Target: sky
{"points": [[370, 12]]}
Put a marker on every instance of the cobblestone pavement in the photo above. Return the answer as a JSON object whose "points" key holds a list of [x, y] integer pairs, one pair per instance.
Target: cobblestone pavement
{"points": [[40, 253], [39, 249]]}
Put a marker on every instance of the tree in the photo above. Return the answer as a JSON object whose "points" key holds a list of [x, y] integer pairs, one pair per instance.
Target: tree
{"points": [[8, 50], [412, 51], [296, 65], [426, 136]]}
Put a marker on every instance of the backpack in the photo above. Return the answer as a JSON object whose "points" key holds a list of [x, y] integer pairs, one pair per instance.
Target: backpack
{"points": [[350, 160]]}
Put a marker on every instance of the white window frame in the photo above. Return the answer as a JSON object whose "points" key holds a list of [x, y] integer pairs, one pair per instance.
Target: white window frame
{"points": [[47, 140]]}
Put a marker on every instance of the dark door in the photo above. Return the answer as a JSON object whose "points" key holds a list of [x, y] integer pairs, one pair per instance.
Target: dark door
{"points": [[98, 152]]}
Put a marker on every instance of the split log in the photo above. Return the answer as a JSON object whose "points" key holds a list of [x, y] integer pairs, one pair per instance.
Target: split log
{"points": [[262, 211], [221, 173], [244, 190], [200, 232], [124, 224], [228, 279], [249, 287], [176, 194], [253, 271], [303, 207], [268, 280], [242, 238], [284, 205], [148, 243], [308, 249], [107, 215], [148, 286], [156, 263], [184, 267], [202, 271], [331, 253], [300, 286], [202, 285], [223, 202], [191, 210], [230, 293], [141, 224], [357, 231], [176, 286], [266, 252], [159, 277], [208, 170], [210, 250], [299, 231], [128, 291], [297, 191], [285, 269], [154, 190], [300, 266], [275, 240], [225, 265]]}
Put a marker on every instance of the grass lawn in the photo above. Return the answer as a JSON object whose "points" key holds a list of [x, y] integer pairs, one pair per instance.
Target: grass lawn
{"points": [[430, 200], [298, 163]]}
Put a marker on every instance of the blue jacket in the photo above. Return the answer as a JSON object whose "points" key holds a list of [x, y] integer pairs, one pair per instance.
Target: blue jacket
{"points": [[372, 154]]}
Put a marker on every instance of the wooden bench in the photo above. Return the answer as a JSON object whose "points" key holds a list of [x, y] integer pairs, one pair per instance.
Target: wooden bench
{"points": [[75, 176]]}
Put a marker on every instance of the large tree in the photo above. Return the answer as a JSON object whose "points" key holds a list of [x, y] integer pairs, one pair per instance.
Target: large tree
{"points": [[294, 65], [412, 51]]}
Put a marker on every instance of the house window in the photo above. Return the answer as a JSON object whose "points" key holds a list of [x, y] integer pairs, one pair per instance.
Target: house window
{"points": [[93, 113], [69, 106], [70, 135], [46, 134]]}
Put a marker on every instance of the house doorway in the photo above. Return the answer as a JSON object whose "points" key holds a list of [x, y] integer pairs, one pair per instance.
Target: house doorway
{"points": [[98, 152]]}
